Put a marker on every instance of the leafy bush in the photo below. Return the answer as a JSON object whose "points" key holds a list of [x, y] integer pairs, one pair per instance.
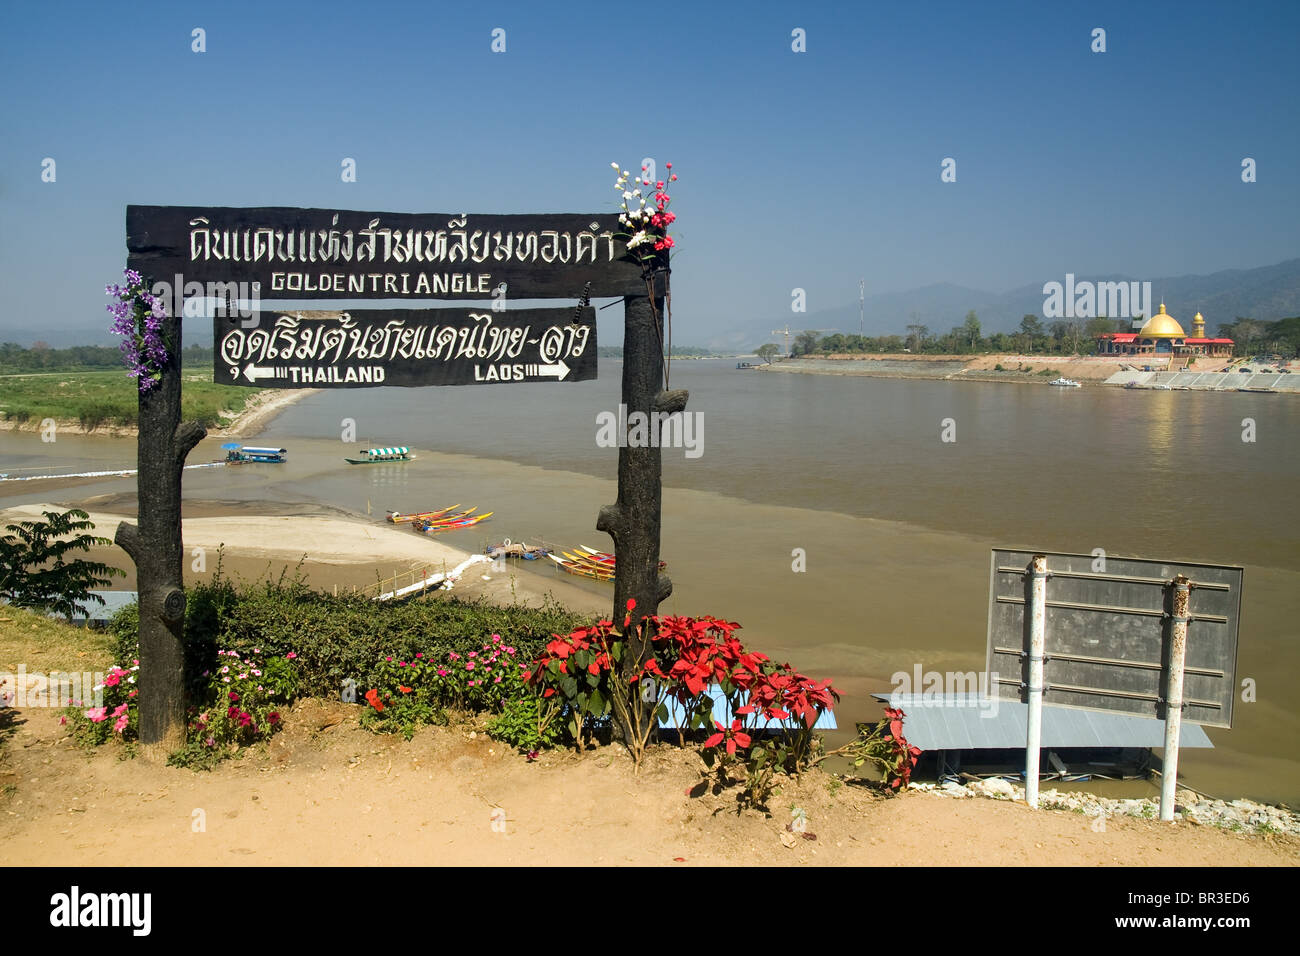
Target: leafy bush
{"points": [[35, 572], [884, 745], [240, 705], [341, 638], [118, 714], [528, 724]]}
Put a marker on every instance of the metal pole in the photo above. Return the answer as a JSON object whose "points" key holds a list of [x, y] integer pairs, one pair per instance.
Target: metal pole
{"points": [[1037, 642], [1174, 696]]}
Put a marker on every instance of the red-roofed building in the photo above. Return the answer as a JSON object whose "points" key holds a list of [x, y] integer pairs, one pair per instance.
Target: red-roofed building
{"points": [[1162, 335]]}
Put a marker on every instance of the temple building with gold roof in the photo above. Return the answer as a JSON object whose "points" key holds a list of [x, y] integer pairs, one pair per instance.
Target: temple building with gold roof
{"points": [[1162, 335]]}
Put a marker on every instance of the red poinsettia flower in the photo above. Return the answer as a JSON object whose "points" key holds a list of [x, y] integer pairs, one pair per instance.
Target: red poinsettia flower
{"points": [[733, 735]]}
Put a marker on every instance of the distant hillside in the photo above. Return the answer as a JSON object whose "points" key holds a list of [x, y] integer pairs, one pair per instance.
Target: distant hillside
{"points": [[1267, 293]]}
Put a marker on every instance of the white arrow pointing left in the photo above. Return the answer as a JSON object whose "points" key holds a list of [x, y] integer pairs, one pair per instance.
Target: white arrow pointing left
{"points": [[253, 373], [559, 371]]}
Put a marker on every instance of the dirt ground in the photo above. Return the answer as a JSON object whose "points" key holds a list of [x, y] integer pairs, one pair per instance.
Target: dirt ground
{"points": [[325, 791]]}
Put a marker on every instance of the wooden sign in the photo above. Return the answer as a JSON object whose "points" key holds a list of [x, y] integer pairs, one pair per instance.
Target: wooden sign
{"points": [[344, 254], [367, 348]]}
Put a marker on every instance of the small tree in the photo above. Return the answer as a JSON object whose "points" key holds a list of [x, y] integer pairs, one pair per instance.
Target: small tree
{"points": [[35, 572], [768, 352]]}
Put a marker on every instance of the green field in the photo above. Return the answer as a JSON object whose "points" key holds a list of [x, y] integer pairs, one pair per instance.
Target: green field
{"points": [[95, 399]]}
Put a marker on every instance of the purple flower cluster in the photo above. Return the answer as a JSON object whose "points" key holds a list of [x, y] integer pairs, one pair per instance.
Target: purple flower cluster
{"points": [[138, 316]]}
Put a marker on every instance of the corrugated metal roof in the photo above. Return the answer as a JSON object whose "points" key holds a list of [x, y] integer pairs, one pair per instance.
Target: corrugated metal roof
{"points": [[970, 722]]}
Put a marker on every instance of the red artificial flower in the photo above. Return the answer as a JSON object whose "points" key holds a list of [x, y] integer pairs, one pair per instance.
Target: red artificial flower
{"points": [[372, 697], [404, 690]]}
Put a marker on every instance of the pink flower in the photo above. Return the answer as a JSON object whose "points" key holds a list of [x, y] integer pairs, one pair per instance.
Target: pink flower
{"points": [[63, 720], [233, 696], [121, 723], [419, 655], [97, 714], [389, 659], [469, 666], [496, 638], [441, 672], [473, 653], [454, 656], [290, 656], [497, 679], [120, 710]]}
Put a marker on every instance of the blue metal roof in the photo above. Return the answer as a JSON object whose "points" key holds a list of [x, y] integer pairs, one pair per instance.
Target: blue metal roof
{"points": [[114, 601], [971, 722], [722, 714]]}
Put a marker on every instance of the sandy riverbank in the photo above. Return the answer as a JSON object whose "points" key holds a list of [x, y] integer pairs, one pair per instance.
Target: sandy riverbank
{"points": [[331, 551], [1015, 369], [260, 408]]}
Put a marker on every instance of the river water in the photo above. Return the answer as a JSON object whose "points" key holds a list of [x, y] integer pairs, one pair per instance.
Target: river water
{"points": [[896, 523]]}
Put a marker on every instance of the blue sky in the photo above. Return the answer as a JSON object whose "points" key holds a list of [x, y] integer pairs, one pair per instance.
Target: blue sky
{"points": [[807, 170]]}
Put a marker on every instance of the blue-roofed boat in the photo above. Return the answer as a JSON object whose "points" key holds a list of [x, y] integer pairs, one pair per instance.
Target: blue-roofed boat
{"points": [[238, 453], [371, 456]]}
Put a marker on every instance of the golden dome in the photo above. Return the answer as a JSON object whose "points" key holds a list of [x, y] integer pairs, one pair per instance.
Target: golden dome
{"points": [[1162, 325]]}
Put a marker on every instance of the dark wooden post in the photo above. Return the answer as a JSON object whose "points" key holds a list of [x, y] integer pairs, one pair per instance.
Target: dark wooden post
{"points": [[633, 521], [154, 544]]}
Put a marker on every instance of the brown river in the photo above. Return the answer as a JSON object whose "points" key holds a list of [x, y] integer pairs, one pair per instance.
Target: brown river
{"points": [[896, 523]]}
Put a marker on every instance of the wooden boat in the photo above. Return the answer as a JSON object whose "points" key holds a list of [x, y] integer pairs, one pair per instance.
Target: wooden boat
{"points": [[606, 558], [509, 549], [584, 570], [590, 563], [419, 524], [462, 521], [378, 455], [396, 518]]}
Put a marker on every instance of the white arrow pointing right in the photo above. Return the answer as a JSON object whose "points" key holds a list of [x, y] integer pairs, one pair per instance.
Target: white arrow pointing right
{"points": [[559, 371]]}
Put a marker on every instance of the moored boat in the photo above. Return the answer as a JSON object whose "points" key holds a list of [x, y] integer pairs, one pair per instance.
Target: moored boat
{"points": [[439, 525], [397, 518], [583, 569], [1064, 382], [236, 453], [509, 549]]}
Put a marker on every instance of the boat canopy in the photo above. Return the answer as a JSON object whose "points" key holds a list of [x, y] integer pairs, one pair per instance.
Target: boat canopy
{"points": [[250, 450], [387, 452]]}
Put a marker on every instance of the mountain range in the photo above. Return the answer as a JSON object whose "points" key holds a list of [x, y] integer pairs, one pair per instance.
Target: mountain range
{"points": [[1267, 293]]}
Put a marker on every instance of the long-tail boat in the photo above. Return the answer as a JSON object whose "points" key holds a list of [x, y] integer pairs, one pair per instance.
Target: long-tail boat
{"points": [[465, 520], [397, 518], [584, 570]]}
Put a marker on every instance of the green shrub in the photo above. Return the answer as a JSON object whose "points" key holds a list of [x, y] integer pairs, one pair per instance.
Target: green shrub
{"points": [[528, 723], [345, 637]]}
